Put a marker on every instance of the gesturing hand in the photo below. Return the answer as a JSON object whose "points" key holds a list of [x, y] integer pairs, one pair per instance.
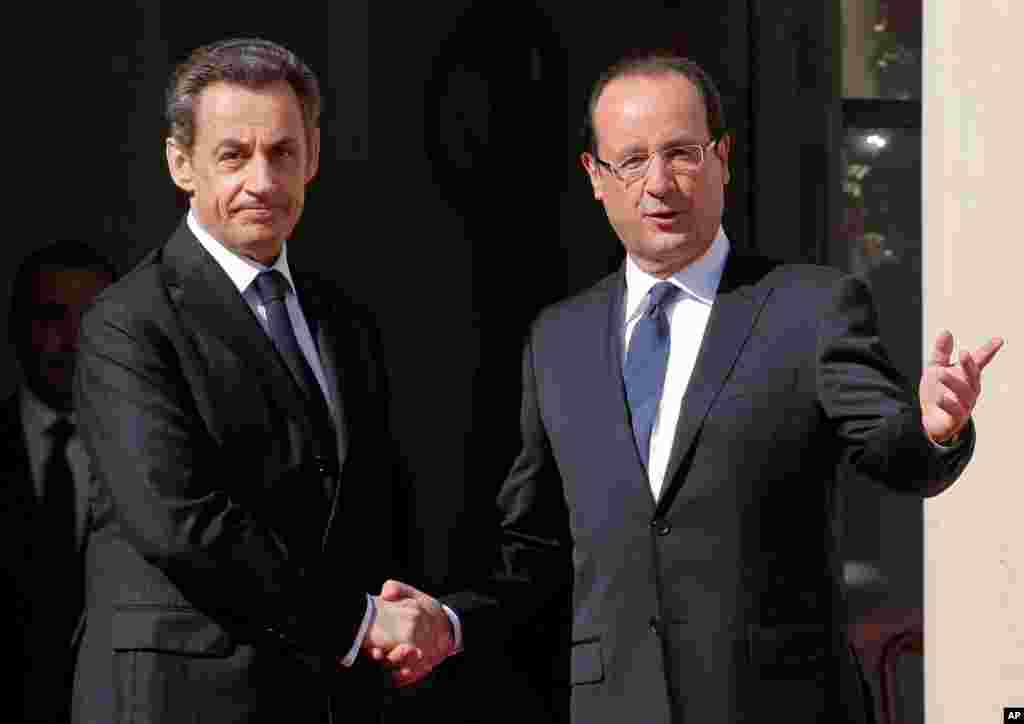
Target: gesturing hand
{"points": [[948, 392], [411, 633]]}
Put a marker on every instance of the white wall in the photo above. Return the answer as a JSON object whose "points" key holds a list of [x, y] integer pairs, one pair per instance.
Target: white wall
{"points": [[974, 285]]}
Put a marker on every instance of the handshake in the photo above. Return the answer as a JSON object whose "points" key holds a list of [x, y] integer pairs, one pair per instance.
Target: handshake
{"points": [[410, 634]]}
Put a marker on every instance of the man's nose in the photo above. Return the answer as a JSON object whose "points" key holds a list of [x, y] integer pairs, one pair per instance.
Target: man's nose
{"points": [[659, 179], [262, 177]]}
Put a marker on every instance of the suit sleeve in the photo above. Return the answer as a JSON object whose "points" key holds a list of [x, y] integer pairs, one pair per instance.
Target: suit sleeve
{"points": [[877, 416], [164, 480], [534, 566]]}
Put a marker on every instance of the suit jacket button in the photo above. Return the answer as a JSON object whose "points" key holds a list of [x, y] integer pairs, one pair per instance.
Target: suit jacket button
{"points": [[653, 624], [661, 527]]}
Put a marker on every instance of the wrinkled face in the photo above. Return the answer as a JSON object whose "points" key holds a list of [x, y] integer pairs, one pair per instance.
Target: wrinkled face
{"points": [[665, 220], [59, 296], [248, 169]]}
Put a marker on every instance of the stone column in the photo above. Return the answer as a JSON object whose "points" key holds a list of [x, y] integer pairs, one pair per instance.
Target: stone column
{"points": [[972, 269]]}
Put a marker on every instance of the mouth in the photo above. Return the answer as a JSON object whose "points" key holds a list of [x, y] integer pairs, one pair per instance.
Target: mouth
{"points": [[662, 219], [257, 212]]}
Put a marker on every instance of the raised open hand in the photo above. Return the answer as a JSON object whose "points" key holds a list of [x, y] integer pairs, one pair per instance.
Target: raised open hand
{"points": [[949, 392]]}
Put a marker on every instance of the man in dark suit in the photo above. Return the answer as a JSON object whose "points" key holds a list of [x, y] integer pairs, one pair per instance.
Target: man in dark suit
{"points": [[683, 422], [45, 473], [235, 411]]}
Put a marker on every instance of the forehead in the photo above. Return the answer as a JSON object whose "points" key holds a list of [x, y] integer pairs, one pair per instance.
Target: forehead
{"points": [[68, 285], [232, 111], [648, 110]]}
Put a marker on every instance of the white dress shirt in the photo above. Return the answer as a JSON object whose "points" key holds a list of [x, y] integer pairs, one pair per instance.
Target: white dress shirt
{"points": [[688, 316], [36, 419], [242, 273]]}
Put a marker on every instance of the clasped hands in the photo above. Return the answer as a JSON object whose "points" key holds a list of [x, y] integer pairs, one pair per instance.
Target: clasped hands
{"points": [[410, 634]]}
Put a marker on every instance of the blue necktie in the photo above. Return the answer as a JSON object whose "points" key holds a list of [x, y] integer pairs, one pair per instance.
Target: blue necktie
{"points": [[646, 360], [272, 288]]}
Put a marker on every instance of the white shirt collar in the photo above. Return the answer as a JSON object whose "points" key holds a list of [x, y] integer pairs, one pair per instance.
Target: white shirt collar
{"points": [[242, 271], [36, 415], [699, 279]]}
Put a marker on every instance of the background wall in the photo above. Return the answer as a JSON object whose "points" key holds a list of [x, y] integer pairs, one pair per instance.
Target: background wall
{"points": [[974, 548]]}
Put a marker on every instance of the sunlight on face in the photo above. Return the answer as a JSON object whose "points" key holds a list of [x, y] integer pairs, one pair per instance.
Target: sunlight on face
{"points": [[248, 169], [665, 220]]}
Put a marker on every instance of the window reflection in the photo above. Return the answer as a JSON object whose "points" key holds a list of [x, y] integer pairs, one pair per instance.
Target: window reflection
{"points": [[879, 235], [881, 48]]}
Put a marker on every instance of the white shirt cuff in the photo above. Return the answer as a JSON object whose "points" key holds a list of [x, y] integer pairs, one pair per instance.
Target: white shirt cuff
{"points": [[456, 630], [371, 612]]}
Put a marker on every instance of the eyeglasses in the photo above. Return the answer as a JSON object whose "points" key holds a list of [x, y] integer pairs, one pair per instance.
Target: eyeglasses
{"points": [[684, 160]]}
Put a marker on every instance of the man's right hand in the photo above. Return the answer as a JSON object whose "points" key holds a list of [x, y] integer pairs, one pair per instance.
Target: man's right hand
{"points": [[410, 633]]}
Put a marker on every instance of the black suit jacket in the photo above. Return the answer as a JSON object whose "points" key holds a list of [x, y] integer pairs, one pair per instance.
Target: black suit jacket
{"points": [[39, 585], [721, 601], [230, 557]]}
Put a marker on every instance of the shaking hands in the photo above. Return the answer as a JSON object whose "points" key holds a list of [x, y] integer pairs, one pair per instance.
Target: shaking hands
{"points": [[410, 634]]}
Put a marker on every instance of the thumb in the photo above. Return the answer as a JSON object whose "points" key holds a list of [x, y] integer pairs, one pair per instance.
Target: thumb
{"points": [[943, 349], [396, 590]]}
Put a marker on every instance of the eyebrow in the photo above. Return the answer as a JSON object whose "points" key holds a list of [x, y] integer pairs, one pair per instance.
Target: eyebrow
{"points": [[285, 142], [234, 143], [671, 143]]}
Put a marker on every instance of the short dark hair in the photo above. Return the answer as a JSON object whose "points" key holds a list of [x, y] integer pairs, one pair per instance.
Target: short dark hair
{"points": [[65, 254], [654, 64], [251, 62]]}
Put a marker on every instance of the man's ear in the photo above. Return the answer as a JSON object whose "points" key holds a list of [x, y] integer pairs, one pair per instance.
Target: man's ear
{"points": [[313, 163], [179, 163], [723, 148], [596, 180]]}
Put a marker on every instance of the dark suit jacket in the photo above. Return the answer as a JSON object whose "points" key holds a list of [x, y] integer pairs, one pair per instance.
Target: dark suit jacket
{"points": [[39, 585], [230, 556], [720, 602]]}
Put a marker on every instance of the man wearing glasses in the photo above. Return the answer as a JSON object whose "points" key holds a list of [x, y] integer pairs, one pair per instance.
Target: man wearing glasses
{"points": [[682, 423]]}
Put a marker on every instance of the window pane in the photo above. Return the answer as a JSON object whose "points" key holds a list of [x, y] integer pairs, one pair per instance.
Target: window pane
{"points": [[879, 235], [881, 48]]}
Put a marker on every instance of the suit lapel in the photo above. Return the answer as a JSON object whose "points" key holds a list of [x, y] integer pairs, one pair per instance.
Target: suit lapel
{"points": [[735, 311], [611, 364], [322, 327], [209, 300]]}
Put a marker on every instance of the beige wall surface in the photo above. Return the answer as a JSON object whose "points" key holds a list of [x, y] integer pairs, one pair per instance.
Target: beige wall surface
{"points": [[974, 285]]}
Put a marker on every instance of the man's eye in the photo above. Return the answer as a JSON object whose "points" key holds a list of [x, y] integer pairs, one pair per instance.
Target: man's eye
{"points": [[230, 156], [633, 163], [686, 154]]}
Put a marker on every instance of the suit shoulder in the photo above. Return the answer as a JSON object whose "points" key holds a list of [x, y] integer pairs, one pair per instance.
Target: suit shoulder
{"points": [[136, 296], [594, 298], [796, 279]]}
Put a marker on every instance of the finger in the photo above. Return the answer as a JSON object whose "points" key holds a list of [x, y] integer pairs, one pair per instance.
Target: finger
{"points": [[404, 655], [952, 407], [409, 676], [957, 384], [405, 677], [987, 351], [971, 371], [396, 590], [376, 653], [943, 348]]}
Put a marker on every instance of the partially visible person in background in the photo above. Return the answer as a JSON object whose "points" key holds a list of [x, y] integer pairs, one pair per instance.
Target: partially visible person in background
{"points": [[44, 471]]}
